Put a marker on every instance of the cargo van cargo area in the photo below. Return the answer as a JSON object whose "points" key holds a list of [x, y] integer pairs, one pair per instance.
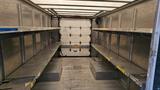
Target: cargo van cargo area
{"points": [[79, 45]]}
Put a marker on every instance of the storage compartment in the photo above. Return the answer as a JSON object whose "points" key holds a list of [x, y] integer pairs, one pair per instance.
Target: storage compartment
{"points": [[52, 72], [102, 70]]}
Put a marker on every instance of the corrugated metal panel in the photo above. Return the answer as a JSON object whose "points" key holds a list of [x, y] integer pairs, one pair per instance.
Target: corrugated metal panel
{"points": [[127, 17], [94, 25], [49, 21], [107, 45], [38, 42], [44, 23], [54, 22], [94, 36], [11, 54], [115, 20], [141, 49], [44, 36], [28, 42], [108, 22], [105, 39], [124, 46], [37, 19], [114, 43], [145, 14], [101, 38], [27, 19], [11, 10], [9, 13]]}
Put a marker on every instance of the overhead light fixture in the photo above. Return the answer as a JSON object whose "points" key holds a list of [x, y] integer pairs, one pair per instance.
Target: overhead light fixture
{"points": [[59, 10], [83, 3], [106, 0], [74, 7], [75, 13]]}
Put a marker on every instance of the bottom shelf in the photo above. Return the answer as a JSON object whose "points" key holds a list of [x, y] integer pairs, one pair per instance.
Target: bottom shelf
{"points": [[25, 77], [135, 73]]}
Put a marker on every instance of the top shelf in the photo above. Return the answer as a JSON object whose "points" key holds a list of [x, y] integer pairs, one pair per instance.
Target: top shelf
{"points": [[28, 29], [140, 30]]}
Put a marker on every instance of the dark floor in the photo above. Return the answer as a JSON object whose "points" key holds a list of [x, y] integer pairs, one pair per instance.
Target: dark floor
{"points": [[76, 75]]}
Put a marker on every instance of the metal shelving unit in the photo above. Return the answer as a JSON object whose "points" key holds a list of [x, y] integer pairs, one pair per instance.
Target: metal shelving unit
{"points": [[141, 30], [129, 69], [25, 76], [29, 29], [126, 28]]}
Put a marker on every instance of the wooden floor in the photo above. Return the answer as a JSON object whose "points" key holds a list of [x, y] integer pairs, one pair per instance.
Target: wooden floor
{"points": [[76, 75]]}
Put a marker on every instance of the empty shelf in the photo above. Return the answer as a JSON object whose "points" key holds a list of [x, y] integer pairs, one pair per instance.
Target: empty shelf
{"points": [[27, 74], [36, 65], [20, 84], [126, 67], [140, 30], [29, 29]]}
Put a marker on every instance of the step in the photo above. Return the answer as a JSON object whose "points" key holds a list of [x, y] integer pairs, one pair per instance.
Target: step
{"points": [[52, 72], [102, 70], [65, 85], [47, 86]]}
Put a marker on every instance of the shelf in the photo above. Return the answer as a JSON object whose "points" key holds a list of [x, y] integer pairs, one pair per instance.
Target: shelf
{"points": [[20, 84], [29, 29], [140, 30], [35, 66], [129, 69], [28, 73]]}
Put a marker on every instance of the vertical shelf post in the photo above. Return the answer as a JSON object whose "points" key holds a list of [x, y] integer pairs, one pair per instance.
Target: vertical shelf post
{"points": [[153, 79]]}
